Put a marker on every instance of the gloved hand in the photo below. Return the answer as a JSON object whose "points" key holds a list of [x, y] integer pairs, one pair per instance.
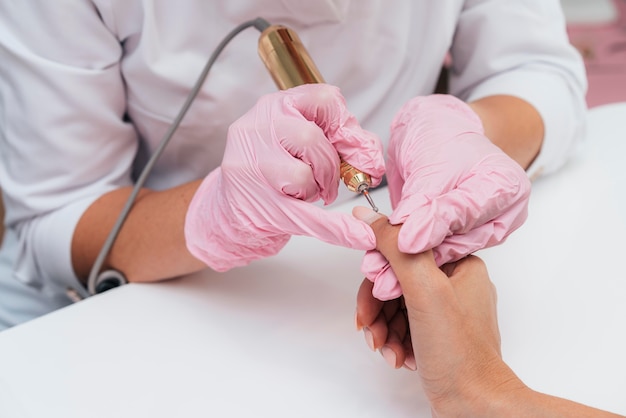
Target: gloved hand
{"points": [[453, 190], [281, 155]]}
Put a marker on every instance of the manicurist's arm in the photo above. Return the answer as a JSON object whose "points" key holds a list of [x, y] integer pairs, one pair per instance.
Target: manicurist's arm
{"points": [[512, 124], [151, 244]]}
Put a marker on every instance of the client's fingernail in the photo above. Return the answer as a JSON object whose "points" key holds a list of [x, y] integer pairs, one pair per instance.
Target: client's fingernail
{"points": [[369, 338], [357, 323], [410, 364], [366, 215], [389, 355]]}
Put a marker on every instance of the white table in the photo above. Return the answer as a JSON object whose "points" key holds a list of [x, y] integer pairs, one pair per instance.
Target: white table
{"points": [[277, 339]]}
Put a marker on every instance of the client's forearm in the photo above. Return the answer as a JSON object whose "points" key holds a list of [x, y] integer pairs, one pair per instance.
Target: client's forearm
{"points": [[529, 403]]}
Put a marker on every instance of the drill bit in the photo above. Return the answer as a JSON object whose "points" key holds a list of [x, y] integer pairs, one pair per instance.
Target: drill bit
{"points": [[365, 192]]}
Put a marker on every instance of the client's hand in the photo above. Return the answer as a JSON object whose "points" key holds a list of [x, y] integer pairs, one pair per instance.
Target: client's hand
{"points": [[447, 318], [445, 326]]}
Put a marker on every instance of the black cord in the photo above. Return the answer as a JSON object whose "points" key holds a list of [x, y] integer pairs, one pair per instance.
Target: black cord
{"points": [[260, 24]]}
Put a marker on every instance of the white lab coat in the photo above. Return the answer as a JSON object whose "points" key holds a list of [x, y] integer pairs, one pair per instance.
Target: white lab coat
{"points": [[88, 88]]}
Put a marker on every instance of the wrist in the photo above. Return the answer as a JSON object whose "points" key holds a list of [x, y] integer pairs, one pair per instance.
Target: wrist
{"points": [[495, 393], [203, 237], [220, 234], [442, 113], [506, 400]]}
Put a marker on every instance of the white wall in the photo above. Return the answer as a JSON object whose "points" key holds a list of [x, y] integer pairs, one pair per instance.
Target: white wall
{"points": [[590, 11]]}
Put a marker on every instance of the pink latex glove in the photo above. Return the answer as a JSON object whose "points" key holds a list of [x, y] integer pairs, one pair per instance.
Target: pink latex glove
{"points": [[452, 189], [281, 155]]}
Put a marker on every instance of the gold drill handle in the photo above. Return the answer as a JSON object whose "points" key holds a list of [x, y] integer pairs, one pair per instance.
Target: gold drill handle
{"points": [[290, 65]]}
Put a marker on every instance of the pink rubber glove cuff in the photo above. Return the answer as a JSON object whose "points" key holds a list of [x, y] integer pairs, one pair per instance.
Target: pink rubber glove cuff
{"points": [[209, 232]]}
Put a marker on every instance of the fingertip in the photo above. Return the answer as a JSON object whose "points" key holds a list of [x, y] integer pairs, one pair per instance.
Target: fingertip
{"points": [[410, 363], [357, 321], [366, 214], [418, 235], [388, 291], [369, 338], [390, 356]]}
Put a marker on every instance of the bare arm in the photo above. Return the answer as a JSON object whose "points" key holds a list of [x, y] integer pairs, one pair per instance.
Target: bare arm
{"points": [[151, 245], [512, 124], [528, 403]]}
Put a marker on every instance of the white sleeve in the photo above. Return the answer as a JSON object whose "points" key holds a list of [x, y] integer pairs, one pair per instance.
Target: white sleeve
{"points": [[521, 48], [63, 136]]}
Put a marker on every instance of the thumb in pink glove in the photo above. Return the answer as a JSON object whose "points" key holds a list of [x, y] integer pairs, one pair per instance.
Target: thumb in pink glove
{"points": [[452, 189], [281, 155]]}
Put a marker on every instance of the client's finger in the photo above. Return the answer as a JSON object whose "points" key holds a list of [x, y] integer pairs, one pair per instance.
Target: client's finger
{"points": [[367, 306], [394, 350], [417, 271]]}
